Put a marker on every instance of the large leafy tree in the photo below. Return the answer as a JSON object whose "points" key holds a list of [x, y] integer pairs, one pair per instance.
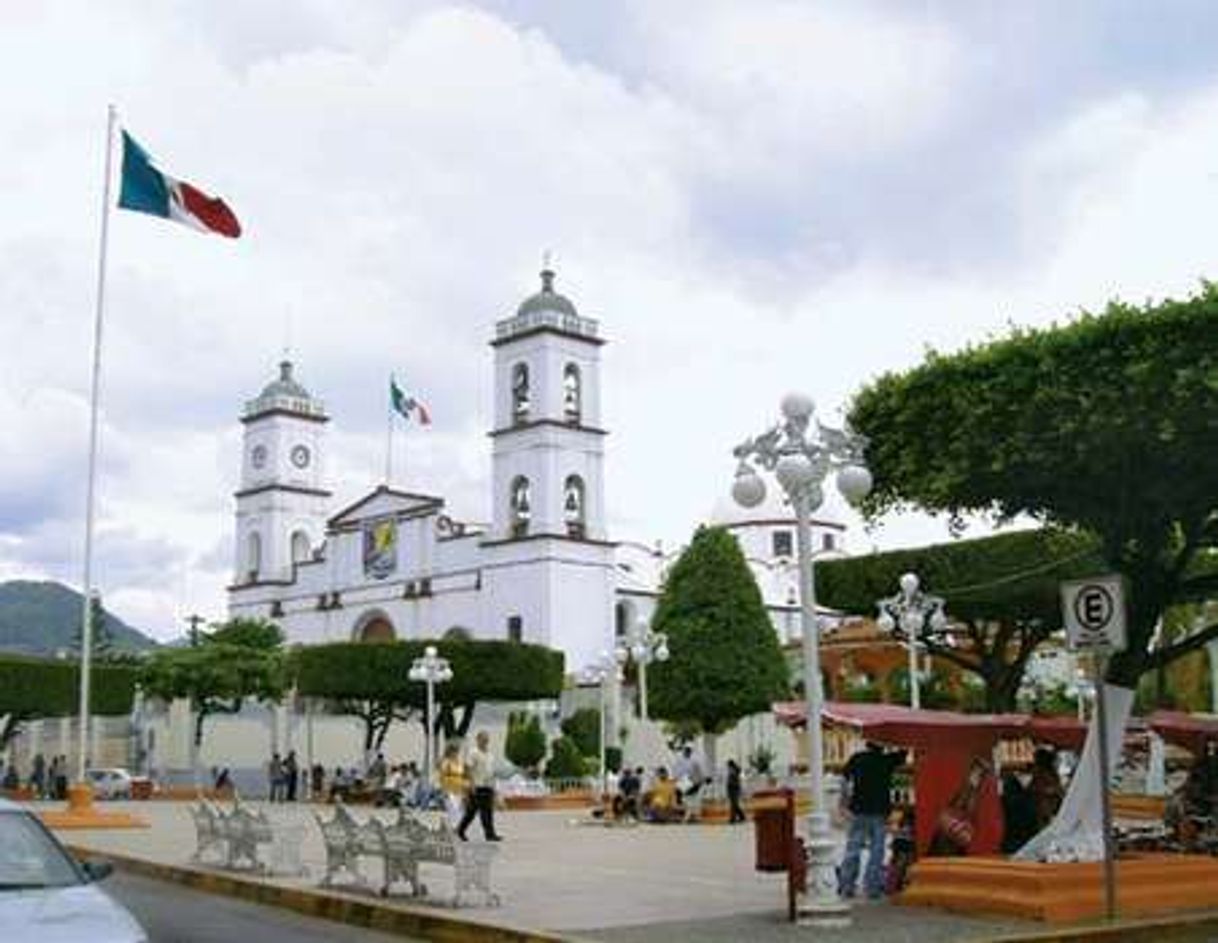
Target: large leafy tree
{"points": [[31, 688], [240, 660], [1001, 592], [725, 661], [1106, 425], [371, 680]]}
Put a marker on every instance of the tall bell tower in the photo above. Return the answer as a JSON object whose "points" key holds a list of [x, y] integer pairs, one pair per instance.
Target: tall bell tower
{"points": [[549, 575], [548, 452], [282, 503]]}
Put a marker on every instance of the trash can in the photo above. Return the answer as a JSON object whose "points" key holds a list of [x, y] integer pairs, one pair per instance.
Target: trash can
{"points": [[774, 828]]}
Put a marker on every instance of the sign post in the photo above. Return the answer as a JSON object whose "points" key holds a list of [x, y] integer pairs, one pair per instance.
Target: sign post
{"points": [[1094, 615]]}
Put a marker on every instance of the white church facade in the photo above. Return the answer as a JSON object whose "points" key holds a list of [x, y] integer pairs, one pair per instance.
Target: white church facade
{"points": [[397, 564]]}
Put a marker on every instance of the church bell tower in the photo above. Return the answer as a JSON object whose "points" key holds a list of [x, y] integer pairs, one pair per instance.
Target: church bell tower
{"points": [[282, 503], [548, 452]]}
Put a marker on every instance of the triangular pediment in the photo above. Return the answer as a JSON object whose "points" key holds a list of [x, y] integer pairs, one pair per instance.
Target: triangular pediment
{"points": [[386, 502]]}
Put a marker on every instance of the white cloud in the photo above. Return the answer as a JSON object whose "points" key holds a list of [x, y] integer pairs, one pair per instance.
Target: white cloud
{"points": [[400, 168]]}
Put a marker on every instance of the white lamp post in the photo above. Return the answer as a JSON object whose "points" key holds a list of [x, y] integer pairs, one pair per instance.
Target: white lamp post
{"points": [[644, 646], [602, 672], [431, 669], [912, 610], [801, 458]]}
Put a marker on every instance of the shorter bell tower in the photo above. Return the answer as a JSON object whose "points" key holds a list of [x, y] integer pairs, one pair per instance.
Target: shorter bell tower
{"points": [[282, 503]]}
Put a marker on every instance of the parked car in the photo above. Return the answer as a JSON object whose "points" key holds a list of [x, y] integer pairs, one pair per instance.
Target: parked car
{"points": [[109, 783], [47, 896]]}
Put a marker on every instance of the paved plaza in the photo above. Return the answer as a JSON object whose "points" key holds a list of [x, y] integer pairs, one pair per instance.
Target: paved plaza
{"points": [[557, 872]]}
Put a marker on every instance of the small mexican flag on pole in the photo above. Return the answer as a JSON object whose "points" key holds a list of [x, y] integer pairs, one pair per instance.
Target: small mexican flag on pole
{"points": [[408, 407], [405, 405]]}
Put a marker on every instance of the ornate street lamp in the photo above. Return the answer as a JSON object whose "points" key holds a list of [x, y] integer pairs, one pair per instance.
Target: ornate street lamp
{"points": [[913, 611], [431, 669], [801, 458], [602, 672], [644, 646]]}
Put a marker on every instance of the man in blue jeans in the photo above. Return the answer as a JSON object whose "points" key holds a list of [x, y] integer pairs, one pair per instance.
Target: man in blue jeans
{"points": [[867, 798]]}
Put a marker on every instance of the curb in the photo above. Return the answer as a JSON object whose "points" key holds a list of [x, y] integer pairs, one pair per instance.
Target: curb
{"points": [[403, 920], [1188, 928]]}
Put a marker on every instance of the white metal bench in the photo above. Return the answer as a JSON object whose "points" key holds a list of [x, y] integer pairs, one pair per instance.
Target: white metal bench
{"points": [[238, 835], [402, 846]]}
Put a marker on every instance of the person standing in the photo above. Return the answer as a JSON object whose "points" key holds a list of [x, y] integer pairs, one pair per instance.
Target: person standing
{"points": [[274, 774], [291, 775], [452, 784], [38, 776], [733, 793], [867, 799], [481, 775]]}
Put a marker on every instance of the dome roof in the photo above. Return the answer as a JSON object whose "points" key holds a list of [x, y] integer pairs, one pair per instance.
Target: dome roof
{"points": [[285, 393], [284, 385], [775, 508], [547, 299]]}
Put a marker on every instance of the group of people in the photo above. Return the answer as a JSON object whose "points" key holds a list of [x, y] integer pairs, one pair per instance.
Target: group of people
{"points": [[1029, 803], [670, 797], [47, 780], [283, 774]]}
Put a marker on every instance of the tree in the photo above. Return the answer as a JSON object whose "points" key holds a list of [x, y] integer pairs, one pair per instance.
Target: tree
{"points": [[1002, 597], [725, 661], [526, 743], [584, 729], [1105, 425], [565, 760], [371, 680], [237, 661], [31, 688]]}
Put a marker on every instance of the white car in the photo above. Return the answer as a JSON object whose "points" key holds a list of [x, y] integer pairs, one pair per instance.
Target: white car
{"points": [[46, 896], [109, 783]]}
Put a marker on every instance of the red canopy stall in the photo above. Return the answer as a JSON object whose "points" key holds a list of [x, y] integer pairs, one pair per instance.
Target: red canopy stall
{"points": [[1188, 731], [954, 778]]}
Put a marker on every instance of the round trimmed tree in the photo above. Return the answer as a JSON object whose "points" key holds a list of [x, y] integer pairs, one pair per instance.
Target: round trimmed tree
{"points": [[725, 661]]}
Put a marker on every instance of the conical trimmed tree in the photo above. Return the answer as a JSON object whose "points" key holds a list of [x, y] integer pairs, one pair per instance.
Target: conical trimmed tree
{"points": [[725, 661]]}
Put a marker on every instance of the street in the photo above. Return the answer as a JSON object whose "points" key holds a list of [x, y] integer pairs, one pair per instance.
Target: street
{"points": [[174, 914]]}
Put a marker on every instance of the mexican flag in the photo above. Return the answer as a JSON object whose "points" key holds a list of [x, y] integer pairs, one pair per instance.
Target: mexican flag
{"points": [[406, 405], [147, 190]]}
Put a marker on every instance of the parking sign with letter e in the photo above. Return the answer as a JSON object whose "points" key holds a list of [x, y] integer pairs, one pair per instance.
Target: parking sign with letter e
{"points": [[1093, 611]]}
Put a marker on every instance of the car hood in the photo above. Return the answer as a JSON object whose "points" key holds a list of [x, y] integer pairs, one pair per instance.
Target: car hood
{"points": [[80, 914]]}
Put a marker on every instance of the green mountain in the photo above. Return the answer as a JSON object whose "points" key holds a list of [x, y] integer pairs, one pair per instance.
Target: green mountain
{"points": [[42, 618]]}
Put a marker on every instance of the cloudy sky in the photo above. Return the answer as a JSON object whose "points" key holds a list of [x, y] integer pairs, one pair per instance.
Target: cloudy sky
{"points": [[751, 197]]}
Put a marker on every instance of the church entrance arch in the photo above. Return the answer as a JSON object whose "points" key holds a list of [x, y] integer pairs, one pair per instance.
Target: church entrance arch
{"points": [[374, 626]]}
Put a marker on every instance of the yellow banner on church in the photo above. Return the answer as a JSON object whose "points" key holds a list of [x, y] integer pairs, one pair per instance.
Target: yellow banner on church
{"points": [[380, 548]]}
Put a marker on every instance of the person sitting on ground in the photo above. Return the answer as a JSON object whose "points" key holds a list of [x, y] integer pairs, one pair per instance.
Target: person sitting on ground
{"points": [[663, 802], [626, 802], [390, 791], [340, 786]]}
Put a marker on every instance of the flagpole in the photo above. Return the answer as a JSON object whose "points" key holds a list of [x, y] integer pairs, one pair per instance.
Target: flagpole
{"points": [[389, 438], [86, 632]]}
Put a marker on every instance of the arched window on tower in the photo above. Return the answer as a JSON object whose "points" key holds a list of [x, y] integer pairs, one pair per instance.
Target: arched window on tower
{"points": [[573, 506], [521, 506], [572, 394], [301, 548], [520, 393], [253, 556]]}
